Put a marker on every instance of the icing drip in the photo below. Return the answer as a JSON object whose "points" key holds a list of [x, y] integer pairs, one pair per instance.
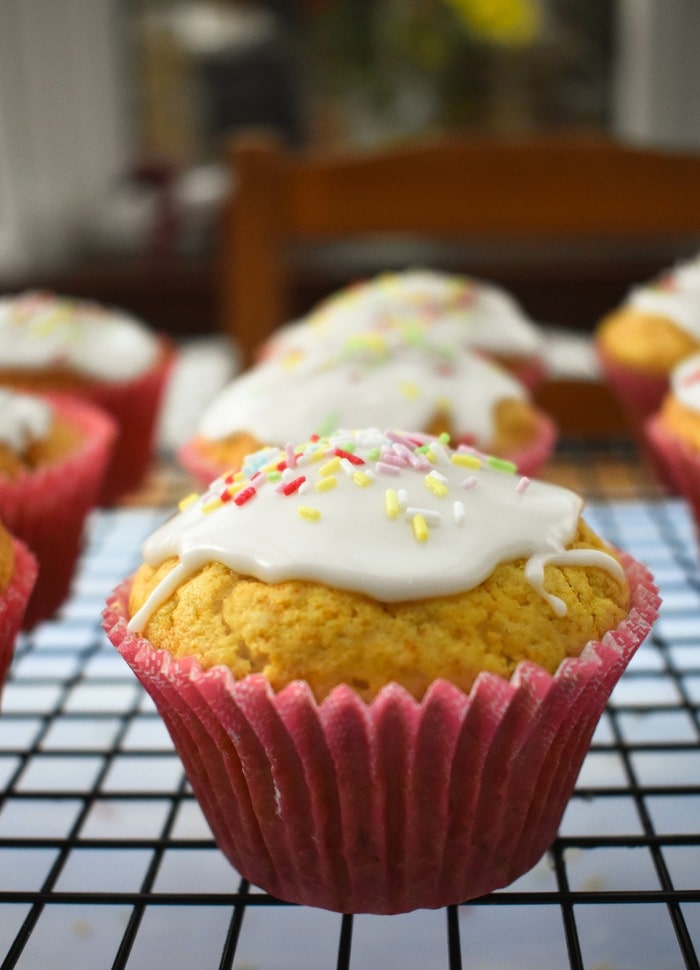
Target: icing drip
{"points": [[675, 296], [329, 512], [23, 420], [40, 330]]}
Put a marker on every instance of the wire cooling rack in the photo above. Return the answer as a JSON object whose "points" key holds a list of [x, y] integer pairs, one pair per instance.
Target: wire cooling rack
{"points": [[106, 861]]}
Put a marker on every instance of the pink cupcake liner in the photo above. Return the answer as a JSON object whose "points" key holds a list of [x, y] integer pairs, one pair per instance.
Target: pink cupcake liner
{"points": [[640, 395], [679, 463], [393, 805], [13, 603], [135, 406], [46, 508]]}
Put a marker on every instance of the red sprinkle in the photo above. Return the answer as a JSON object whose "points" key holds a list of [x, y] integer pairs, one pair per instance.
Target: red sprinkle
{"points": [[354, 459], [226, 495], [292, 486], [245, 495]]}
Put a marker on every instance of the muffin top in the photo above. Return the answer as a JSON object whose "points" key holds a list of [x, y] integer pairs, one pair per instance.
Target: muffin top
{"points": [[41, 331], [373, 376], [458, 309], [31, 433], [368, 557]]}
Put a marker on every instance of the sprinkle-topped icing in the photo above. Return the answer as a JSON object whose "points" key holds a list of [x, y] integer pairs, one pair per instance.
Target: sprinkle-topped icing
{"points": [[675, 295], [685, 383], [41, 330], [415, 303], [23, 420], [397, 385], [432, 527]]}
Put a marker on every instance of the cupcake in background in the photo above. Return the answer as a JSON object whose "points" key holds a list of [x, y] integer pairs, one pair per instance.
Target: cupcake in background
{"points": [[53, 343], [376, 377], [654, 329], [381, 661], [422, 304], [18, 569], [55, 450], [673, 433]]}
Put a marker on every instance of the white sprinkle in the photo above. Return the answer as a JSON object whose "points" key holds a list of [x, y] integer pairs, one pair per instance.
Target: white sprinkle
{"points": [[439, 452], [347, 467], [304, 487], [402, 496], [469, 482], [432, 518], [458, 512], [288, 475], [522, 485]]}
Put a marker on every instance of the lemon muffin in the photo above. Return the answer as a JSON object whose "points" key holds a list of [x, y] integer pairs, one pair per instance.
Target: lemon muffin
{"points": [[373, 377], [17, 577], [101, 354], [450, 307], [345, 637], [54, 453], [654, 329]]}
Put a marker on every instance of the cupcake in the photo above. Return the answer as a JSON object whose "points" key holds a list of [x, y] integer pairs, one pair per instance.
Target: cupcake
{"points": [[459, 310], [17, 577], [375, 377], [673, 433], [54, 453], [654, 329], [109, 358], [381, 661]]}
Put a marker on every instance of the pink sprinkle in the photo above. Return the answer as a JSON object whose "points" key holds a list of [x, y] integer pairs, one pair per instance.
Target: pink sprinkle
{"points": [[291, 457], [469, 482], [258, 479], [387, 468], [522, 485]]}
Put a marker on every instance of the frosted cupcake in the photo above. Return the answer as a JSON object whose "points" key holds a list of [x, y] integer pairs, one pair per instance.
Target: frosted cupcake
{"points": [[104, 355], [54, 454], [375, 377], [381, 661], [655, 328], [422, 304], [674, 433], [17, 577]]}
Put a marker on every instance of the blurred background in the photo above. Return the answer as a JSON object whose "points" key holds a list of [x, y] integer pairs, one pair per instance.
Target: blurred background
{"points": [[113, 113]]}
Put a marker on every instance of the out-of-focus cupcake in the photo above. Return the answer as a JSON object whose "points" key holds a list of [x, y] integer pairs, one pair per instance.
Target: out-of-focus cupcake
{"points": [[673, 433], [104, 355], [375, 378], [18, 570], [54, 453], [653, 330], [422, 304], [381, 661]]}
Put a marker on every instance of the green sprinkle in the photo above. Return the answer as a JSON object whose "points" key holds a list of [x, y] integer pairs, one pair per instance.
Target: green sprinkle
{"points": [[501, 464], [274, 476], [444, 438], [374, 454]]}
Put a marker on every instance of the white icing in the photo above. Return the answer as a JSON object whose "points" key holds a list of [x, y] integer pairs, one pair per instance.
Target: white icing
{"points": [[359, 535], [675, 296], [23, 420], [458, 309], [40, 330], [685, 383], [376, 380]]}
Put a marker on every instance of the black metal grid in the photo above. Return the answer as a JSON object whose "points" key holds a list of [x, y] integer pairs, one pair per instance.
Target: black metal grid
{"points": [[106, 862]]}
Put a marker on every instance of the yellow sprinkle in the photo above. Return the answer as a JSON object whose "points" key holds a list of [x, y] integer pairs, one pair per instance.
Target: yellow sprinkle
{"points": [[435, 485], [430, 456], [420, 528], [410, 390], [309, 513], [187, 501], [465, 460], [326, 484], [391, 503], [330, 467], [239, 476], [210, 506], [362, 478]]}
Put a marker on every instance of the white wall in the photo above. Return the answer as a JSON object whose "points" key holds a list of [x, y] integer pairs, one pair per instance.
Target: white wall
{"points": [[62, 137]]}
